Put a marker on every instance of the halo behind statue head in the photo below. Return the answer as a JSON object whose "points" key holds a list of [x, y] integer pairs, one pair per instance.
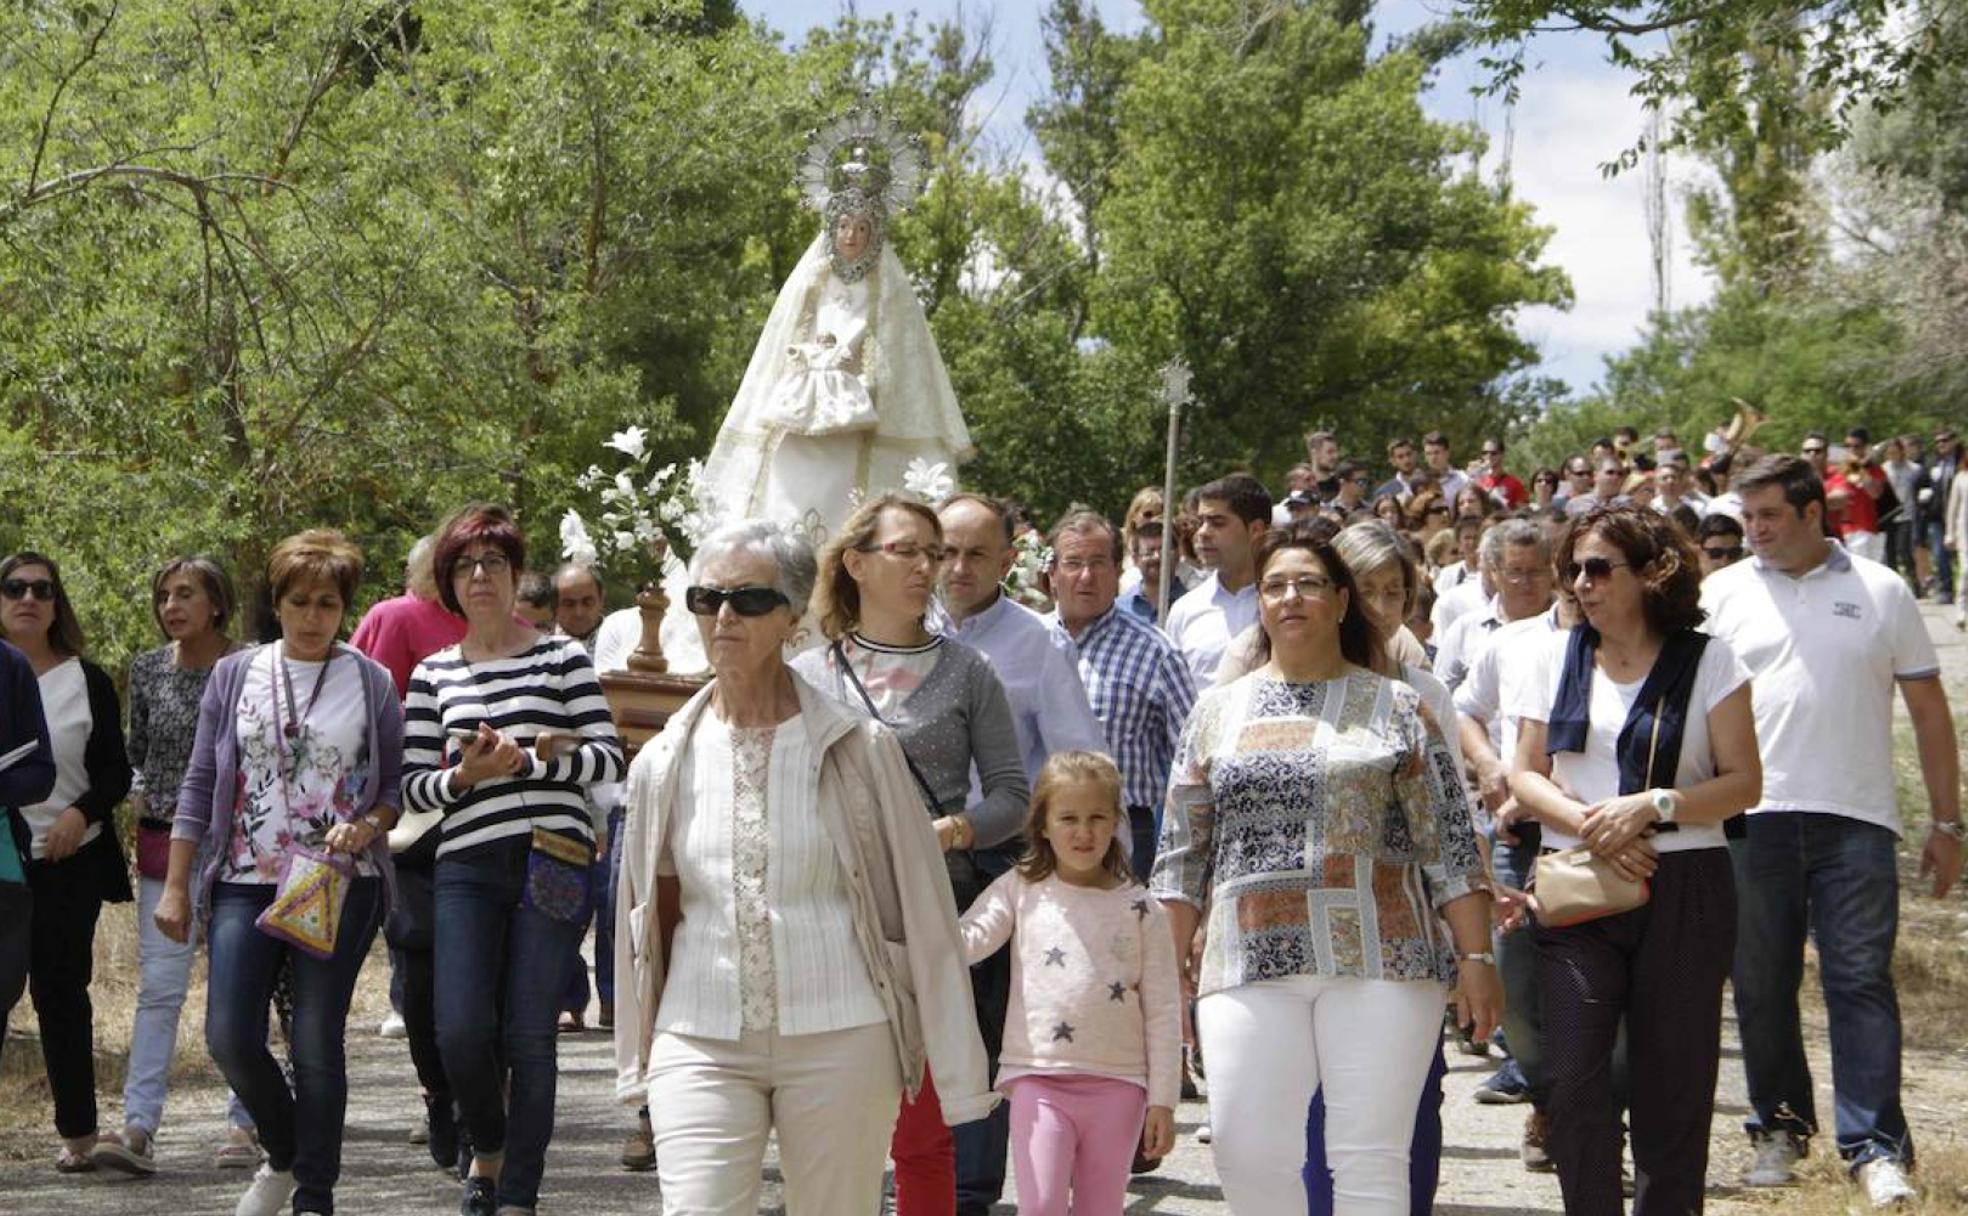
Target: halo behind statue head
{"points": [[862, 164]]}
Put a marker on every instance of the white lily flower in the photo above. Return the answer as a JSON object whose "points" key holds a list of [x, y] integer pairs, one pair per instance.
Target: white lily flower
{"points": [[633, 442], [930, 482], [575, 543]]}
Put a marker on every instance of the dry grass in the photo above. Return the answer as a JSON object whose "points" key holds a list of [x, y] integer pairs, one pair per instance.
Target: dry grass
{"points": [[25, 1105]]}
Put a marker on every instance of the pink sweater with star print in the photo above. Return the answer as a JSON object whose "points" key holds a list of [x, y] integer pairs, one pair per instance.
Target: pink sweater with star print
{"points": [[1094, 987]]}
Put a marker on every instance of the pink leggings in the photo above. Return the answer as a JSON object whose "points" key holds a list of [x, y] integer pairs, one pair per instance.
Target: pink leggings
{"points": [[1074, 1134]]}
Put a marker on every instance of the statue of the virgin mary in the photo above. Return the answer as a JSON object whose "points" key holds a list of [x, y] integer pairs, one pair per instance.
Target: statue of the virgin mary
{"points": [[845, 391], [846, 388]]}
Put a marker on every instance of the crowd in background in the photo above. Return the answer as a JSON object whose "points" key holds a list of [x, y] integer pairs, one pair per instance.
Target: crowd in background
{"points": [[1273, 833]]}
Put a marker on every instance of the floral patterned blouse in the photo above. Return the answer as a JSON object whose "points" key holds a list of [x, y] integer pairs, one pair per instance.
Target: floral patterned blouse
{"points": [[1321, 825], [293, 788]]}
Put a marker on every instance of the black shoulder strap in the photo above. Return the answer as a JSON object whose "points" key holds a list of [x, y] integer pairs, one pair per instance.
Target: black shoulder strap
{"points": [[847, 673]]}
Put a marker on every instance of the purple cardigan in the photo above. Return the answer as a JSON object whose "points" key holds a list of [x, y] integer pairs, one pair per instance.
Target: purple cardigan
{"points": [[211, 781]]}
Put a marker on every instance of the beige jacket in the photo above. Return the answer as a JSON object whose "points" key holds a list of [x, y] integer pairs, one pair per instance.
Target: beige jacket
{"points": [[904, 914]]}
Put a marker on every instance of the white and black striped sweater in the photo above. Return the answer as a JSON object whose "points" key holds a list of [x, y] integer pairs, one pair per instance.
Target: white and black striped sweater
{"points": [[551, 686]]}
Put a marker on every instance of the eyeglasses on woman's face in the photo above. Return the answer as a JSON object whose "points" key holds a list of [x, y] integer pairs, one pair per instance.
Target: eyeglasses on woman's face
{"points": [[745, 601], [42, 589], [907, 551], [493, 564], [1306, 586]]}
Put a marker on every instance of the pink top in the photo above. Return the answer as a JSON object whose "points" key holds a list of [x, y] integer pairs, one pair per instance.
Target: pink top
{"points": [[403, 631], [1094, 987]]}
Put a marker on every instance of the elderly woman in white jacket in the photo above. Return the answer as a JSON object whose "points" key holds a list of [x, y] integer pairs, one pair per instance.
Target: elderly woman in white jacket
{"points": [[785, 928]]}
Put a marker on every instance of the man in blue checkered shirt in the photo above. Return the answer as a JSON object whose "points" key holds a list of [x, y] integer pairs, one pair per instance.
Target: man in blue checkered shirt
{"points": [[1135, 678]]}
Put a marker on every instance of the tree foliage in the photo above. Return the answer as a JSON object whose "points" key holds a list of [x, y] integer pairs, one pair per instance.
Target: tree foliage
{"points": [[354, 263]]}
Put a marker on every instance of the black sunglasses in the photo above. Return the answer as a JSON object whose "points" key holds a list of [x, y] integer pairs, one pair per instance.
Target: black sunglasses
{"points": [[20, 588], [745, 601], [1598, 569], [1723, 555]]}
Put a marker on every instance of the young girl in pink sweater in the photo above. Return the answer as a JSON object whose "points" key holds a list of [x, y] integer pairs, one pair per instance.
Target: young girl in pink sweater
{"points": [[1092, 1040]]}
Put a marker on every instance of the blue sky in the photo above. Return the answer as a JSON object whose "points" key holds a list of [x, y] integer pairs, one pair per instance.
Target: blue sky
{"points": [[1575, 113]]}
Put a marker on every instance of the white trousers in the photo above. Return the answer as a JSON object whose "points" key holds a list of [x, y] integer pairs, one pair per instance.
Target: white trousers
{"points": [[1269, 1045], [832, 1098]]}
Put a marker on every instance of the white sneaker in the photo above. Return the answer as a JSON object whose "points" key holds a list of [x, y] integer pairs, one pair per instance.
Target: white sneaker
{"points": [[1885, 1183], [268, 1194], [393, 1027], [1776, 1155]]}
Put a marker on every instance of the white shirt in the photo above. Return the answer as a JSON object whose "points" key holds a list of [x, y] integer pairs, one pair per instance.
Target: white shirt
{"points": [[1203, 621], [822, 979], [616, 640], [1457, 645], [1593, 774], [1497, 665], [1728, 503], [1038, 664], [65, 703], [1825, 650], [1451, 483], [1454, 602]]}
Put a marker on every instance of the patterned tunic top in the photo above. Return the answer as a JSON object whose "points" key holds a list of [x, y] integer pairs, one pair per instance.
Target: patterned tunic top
{"points": [[1321, 824], [163, 725]]}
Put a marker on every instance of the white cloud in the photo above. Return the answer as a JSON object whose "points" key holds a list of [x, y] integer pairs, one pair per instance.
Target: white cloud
{"points": [[1568, 123]]}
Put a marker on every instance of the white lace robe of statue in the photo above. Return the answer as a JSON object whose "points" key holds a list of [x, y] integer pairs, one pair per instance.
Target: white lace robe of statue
{"points": [[844, 390]]}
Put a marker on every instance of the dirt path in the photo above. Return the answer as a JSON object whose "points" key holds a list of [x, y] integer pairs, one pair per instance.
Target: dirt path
{"points": [[1480, 1173]]}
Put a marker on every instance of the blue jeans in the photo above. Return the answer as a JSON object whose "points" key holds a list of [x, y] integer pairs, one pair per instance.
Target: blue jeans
{"points": [[501, 971], [1943, 559], [164, 971], [1833, 878], [1424, 1151], [300, 1128], [1523, 1027], [607, 868]]}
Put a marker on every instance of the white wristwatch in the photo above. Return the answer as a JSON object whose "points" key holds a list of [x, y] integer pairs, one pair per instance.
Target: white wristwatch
{"points": [[1663, 801]]}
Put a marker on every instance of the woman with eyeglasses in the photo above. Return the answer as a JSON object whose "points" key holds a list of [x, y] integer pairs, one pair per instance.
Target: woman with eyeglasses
{"points": [[793, 944], [1330, 973], [192, 600], [72, 861], [950, 713], [1637, 741], [293, 770], [504, 732]]}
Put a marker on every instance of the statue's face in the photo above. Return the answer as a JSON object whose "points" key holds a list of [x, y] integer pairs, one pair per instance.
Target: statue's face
{"points": [[851, 236]]}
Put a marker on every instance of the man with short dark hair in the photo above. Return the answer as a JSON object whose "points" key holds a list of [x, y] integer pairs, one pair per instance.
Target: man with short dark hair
{"points": [[1401, 455], [1721, 541], [1575, 481], [1135, 678], [1829, 635], [1933, 518], [1353, 481], [1322, 449], [1231, 514], [1852, 492], [1435, 447], [579, 603], [1498, 482]]}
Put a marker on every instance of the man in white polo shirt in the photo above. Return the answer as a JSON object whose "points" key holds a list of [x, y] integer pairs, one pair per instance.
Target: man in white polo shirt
{"points": [[1828, 636], [1231, 513]]}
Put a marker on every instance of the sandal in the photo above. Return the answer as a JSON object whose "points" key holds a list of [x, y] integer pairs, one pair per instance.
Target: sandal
{"points": [[129, 1153], [68, 1161], [241, 1150]]}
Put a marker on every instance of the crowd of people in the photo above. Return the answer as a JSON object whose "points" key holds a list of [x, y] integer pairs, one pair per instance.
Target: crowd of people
{"points": [[932, 874]]}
